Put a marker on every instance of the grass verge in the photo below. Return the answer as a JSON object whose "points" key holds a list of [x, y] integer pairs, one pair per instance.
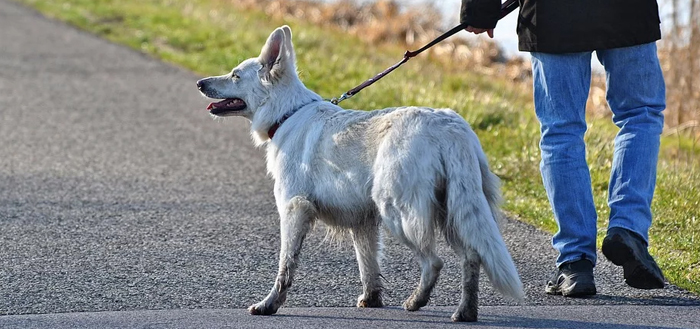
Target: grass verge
{"points": [[211, 36]]}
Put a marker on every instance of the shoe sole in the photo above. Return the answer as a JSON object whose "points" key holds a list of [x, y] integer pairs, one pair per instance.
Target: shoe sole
{"points": [[579, 291], [576, 290], [637, 274]]}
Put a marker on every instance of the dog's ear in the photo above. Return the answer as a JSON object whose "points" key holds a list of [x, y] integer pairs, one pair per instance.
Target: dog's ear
{"points": [[277, 56], [288, 47]]}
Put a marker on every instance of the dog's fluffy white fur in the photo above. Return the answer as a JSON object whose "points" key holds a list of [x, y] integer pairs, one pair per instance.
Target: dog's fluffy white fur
{"points": [[417, 170]]}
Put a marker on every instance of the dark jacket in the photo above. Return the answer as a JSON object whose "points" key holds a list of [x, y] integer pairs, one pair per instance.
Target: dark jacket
{"points": [[563, 26]]}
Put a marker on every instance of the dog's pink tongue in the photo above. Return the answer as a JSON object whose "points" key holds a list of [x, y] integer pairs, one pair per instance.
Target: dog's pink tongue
{"points": [[218, 104]]}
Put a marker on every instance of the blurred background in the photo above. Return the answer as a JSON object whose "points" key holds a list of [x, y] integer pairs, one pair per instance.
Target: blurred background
{"points": [[414, 22]]}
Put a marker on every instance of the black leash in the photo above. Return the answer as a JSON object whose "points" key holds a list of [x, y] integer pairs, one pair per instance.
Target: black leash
{"points": [[506, 8]]}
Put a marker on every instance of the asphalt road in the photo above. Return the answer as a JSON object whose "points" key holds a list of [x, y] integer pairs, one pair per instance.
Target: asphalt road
{"points": [[118, 192]]}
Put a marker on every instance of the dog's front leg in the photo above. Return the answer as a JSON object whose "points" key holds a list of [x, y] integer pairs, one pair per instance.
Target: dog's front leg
{"points": [[367, 248], [295, 223]]}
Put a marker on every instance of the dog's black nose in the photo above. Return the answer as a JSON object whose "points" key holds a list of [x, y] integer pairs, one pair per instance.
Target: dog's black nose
{"points": [[200, 84]]}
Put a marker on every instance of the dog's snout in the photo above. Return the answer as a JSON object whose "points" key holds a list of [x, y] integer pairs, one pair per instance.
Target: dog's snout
{"points": [[200, 84]]}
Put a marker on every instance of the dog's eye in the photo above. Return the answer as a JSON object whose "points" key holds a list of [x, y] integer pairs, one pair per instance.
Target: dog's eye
{"points": [[234, 76]]}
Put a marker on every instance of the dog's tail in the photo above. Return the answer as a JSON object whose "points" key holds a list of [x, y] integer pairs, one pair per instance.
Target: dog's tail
{"points": [[473, 218]]}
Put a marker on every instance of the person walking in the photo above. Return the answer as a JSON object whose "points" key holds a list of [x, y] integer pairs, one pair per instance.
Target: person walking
{"points": [[561, 37]]}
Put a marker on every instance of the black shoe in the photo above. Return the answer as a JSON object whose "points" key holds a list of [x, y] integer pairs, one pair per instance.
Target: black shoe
{"points": [[573, 279], [624, 248]]}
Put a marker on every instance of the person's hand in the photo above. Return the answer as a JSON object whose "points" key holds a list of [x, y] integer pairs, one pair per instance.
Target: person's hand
{"points": [[477, 30]]}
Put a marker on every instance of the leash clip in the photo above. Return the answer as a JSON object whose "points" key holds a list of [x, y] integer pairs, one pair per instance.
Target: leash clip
{"points": [[343, 97]]}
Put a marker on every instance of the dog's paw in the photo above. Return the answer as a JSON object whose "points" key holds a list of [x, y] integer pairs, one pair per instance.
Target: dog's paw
{"points": [[468, 316], [414, 303], [374, 300], [262, 309]]}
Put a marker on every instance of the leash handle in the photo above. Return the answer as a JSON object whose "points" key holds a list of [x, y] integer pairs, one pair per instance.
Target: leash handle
{"points": [[506, 8]]}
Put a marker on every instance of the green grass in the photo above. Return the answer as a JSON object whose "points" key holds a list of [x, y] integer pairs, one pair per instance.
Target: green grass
{"points": [[211, 36]]}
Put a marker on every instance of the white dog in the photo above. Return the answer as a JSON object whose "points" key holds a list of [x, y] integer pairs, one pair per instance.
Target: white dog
{"points": [[416, 170]]}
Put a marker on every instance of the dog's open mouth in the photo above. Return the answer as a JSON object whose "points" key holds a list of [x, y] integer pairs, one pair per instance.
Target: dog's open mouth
{"points": [[226, 107]]}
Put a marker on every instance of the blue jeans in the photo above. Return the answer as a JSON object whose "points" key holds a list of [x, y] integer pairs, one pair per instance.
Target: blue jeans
{"points": [[636, 95]]}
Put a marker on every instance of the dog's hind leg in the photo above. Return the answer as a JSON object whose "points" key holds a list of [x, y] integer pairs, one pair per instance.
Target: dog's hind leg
{"points": [[468, 308], [415, 229], [367, 250], [417, 233], [295, 223], [404, 192], [430, 265]]}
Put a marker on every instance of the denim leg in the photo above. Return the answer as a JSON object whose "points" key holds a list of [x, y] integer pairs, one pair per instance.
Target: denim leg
{"points": [[636, 95], [561, 86]]}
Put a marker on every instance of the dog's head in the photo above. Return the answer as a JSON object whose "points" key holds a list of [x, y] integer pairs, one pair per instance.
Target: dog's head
{"points": [[250, 85]]}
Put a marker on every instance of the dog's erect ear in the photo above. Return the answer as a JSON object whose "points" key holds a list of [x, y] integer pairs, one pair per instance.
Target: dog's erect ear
{"points": [[270, 53], [277, 56], [288, 47]]}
